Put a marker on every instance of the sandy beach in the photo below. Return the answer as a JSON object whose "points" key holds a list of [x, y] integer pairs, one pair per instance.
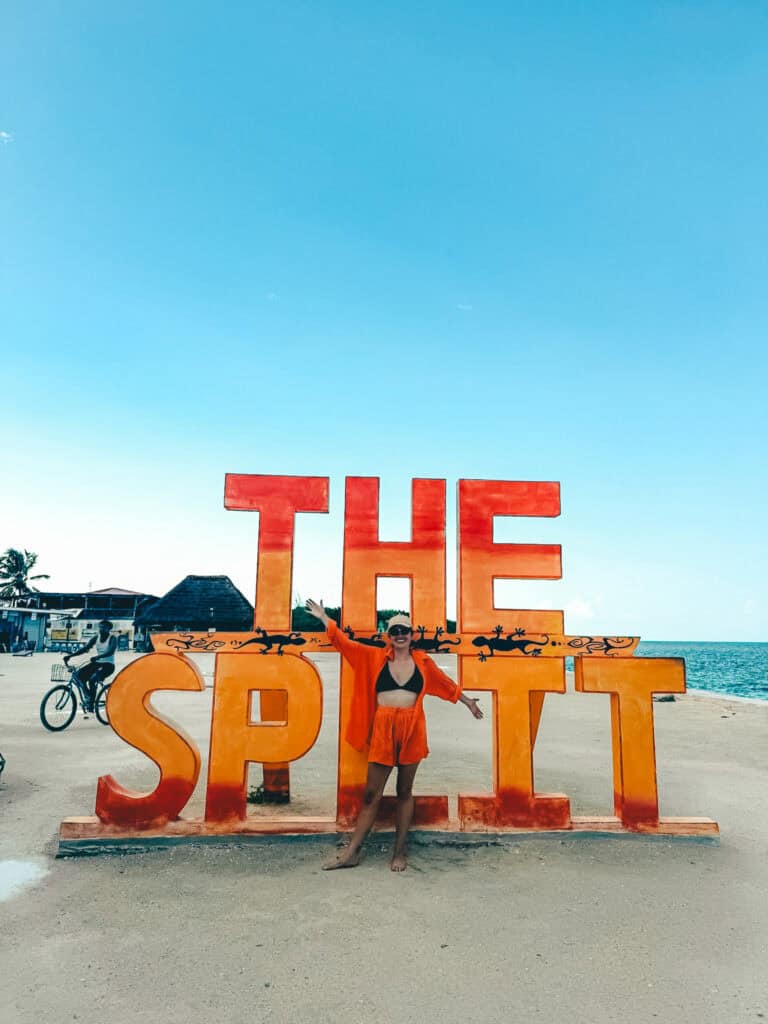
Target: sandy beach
{"points": [[587, 931]]}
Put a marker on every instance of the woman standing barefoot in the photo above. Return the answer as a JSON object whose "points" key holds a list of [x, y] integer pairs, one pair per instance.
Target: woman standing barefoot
{"points": [[387, 716]]}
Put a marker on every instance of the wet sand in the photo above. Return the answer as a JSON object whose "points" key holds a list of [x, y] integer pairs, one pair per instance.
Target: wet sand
{"points": [[589, 931]]}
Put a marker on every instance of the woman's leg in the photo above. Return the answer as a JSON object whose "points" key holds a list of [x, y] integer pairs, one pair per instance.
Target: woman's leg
{"points": [[349, 857], [405, 776]]}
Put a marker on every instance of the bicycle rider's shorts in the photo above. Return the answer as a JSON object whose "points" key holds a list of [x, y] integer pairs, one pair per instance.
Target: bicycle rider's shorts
{"points": [[101, 670]]}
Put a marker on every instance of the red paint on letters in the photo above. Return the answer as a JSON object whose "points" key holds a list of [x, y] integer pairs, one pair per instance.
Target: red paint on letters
{"points": [[278, 499], [481, 500], [116, 805], [427, 810], [225, 803], [516, 808], [635, 813], [349, 800], [361, 516]]}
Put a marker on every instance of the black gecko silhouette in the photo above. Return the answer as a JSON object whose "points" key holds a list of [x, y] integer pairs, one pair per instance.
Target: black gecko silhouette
{"points": [[187, 642], [375, 640], [279, 640], [607, 645], [515, 641], [435, 643]]}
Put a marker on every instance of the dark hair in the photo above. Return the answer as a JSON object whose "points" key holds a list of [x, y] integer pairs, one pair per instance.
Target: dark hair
{"points": [[106, 622]]}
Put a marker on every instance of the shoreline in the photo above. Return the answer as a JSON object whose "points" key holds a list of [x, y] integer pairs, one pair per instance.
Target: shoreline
{"points": [[719, 695]]}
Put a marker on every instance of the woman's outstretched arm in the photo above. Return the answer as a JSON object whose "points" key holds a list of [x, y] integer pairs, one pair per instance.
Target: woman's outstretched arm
{"points": [[441, 685], [316, 608], [471, 703], [339, 639]]}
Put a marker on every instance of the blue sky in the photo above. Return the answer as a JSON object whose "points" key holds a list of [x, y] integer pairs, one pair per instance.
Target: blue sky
{"points": [[517, 241]]}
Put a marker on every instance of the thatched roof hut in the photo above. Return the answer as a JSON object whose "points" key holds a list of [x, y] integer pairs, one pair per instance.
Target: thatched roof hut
{"points": [[199, 603]]}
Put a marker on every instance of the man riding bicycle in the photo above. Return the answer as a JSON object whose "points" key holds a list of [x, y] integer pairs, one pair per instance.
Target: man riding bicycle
{"points": [[102, 664]]}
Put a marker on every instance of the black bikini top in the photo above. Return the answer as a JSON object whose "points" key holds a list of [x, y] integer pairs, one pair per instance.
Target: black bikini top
{"points": [[385, 681]]}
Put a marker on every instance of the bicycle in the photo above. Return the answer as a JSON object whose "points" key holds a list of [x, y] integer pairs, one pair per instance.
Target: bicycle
{"points": [[59, 705]]}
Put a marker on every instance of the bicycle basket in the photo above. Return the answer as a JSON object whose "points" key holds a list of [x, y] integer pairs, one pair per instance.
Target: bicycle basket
{"points": [[60, 673]]}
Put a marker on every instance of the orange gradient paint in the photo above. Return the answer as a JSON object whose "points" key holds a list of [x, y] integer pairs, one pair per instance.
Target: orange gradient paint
{"points": [[277, 499], [516, 655], [482, 561], [631, 684], [236, 740], [421, 559], [135, 720], [352, 764], [513, 684]]}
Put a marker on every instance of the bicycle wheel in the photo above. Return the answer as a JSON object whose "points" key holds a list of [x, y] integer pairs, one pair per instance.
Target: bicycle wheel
{"points": [[57, 708], [101, 704]]}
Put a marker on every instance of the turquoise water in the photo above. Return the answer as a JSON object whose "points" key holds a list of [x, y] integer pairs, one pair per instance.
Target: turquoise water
{"points": [[740, 670]]}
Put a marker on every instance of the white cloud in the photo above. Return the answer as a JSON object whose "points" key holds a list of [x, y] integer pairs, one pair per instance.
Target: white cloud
{"points": [[5, 138], [463, 306]]}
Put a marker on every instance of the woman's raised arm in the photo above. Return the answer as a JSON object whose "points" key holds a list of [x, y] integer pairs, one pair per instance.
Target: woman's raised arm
{"points": [[352, 651], [316, 609]]}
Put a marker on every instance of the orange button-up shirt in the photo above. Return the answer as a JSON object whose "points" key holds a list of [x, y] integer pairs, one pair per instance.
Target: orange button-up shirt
{"points": [[368, 662]]}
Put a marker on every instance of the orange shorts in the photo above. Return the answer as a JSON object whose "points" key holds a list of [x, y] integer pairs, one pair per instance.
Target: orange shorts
{"points": [[399, 736]]}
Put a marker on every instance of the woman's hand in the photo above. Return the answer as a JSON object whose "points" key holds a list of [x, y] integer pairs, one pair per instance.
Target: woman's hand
{"points": [[317, 610], [474, 707]]}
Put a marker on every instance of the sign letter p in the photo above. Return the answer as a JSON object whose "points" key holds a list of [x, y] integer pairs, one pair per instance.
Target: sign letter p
{"points": [[236, 740]]}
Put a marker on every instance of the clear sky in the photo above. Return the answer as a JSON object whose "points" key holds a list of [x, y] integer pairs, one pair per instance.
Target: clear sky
{"points": [[501, 240]]}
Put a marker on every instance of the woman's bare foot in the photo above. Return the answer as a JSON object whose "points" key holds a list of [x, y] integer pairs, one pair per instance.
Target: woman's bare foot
{"points": [[399, 862], [344, 859]]}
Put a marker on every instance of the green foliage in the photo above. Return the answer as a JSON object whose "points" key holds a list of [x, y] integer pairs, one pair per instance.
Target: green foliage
{"points": [[303, 622], [15, 567], [383, 615]]}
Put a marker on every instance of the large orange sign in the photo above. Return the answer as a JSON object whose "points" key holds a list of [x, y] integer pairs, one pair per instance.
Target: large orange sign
{"points": [[515, 655]]}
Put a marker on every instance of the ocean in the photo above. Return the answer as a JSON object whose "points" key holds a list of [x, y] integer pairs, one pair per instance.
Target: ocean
{"points": [[736, 670]]}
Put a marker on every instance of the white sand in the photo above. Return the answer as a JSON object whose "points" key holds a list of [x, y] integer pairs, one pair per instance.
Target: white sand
{"points": [[587, 932]]}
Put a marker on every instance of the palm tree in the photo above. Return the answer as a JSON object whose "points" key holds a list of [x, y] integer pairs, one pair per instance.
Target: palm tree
{"points": [[15, 581]]}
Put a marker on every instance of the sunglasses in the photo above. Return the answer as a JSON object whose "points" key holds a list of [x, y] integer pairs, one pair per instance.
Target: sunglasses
{"points": [[399, 631]]}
